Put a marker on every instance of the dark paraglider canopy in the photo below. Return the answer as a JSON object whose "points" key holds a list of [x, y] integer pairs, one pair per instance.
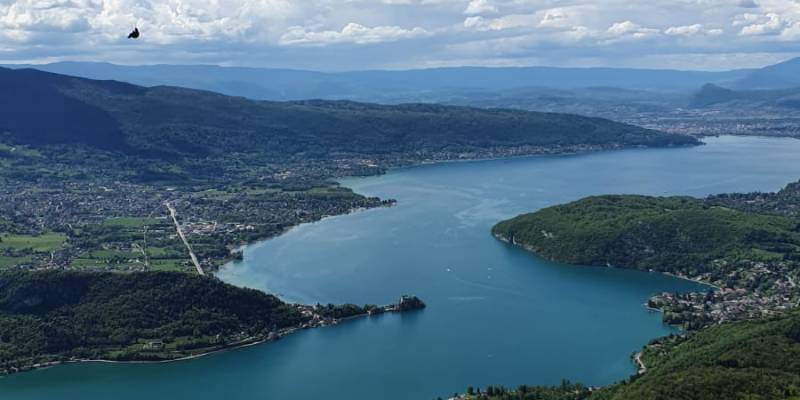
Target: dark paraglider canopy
{"points": [[134, 34]]}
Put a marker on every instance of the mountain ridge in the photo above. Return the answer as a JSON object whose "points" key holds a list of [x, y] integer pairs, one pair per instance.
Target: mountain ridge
{"points": [[386, 85], [782, 75], [195, 123]]}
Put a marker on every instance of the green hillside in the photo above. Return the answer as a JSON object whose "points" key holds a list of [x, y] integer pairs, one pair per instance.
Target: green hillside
{"points": [[754, 360], [674, 234], [745, 360], [56, 315], [169, 122], [743, 342]]}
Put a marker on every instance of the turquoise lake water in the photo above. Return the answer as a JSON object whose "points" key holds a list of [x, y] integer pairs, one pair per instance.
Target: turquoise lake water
{"points": [[496, 314]]}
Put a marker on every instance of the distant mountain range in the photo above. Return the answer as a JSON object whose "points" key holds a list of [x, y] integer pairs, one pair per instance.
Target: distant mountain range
{"points": [[779, 76], [653, 98], [716, 96], [44, 108], [430, 85]]}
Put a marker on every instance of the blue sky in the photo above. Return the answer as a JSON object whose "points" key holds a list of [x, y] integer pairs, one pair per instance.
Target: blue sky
{"points": [[366, 34]]}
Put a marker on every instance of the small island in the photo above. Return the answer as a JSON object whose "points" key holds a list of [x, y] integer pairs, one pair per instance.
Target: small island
{"points": [[53, 317]]}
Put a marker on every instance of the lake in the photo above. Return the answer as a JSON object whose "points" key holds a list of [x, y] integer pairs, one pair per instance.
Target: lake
{"points": [[496, 314]]}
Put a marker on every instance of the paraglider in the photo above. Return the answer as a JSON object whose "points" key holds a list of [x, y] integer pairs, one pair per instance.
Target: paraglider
{"points": [[134, 34]]}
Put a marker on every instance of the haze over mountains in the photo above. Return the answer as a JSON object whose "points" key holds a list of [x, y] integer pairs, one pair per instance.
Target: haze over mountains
{"points": [[760, 101], [713, 95], [779, 76], [424, 84], [390, 86]]}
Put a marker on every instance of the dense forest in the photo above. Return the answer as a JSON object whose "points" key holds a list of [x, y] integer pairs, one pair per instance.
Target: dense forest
{"points": [[744, 341], [50, 316], [674, 234], [756, 360]]}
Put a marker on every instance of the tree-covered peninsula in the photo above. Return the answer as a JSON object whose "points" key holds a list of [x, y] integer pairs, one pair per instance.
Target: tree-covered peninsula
{"points": [[61, 316], [746, 244], [680, 235], [743, 340]]}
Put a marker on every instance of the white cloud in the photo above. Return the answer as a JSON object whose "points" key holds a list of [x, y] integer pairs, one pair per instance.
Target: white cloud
{"points": [[766, 24], [350, 33], [480, 7], [631, 29], [691, 30], [480, 23], [44, 16], [557, 17], [400, 33]]}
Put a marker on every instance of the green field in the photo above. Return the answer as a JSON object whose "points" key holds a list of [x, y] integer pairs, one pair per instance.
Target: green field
{"points": [[6, 262], [178, 265], [164, 252], [41, 244], [132, 222], [159, 259]]}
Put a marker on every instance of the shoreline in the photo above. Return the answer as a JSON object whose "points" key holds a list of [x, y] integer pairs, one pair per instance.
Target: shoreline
{"points": [[426, 163], [50, 364], [530, 250], [557, 153], [259, 341], [245, 343], [695, 280]]}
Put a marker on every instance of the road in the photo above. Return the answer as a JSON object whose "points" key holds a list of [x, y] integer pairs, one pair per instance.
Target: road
{"points": [[174, 216], [640, 363]]}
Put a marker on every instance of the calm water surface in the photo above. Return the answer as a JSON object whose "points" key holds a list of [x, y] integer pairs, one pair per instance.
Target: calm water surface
{"points": [[496, 315]]}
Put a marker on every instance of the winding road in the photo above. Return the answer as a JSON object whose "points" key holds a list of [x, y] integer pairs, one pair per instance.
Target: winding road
{"points": [[640, 363]]}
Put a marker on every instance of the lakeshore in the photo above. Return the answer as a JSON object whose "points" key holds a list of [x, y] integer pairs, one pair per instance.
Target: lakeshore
{"points": [[441, 222], [317, 317], [697, 280]]}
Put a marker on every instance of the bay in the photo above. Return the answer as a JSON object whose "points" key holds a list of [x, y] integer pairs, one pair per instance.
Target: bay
{"points": [[496, 314]]}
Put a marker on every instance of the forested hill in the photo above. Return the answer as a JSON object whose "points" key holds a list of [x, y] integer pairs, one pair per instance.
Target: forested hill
{"points": [[58, 315], [38, 107], [748, 245], [742, 341], [671, 234], [743, 360]]}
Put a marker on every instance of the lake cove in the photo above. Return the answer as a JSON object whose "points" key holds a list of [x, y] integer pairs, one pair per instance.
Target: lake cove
{"points": [[496, 314]]}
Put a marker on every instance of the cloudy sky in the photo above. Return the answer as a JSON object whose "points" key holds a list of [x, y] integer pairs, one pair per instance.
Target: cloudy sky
{"points": [[361, 34]]}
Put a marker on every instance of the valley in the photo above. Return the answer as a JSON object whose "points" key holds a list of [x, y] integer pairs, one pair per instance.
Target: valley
{"points": [[235, 170]]}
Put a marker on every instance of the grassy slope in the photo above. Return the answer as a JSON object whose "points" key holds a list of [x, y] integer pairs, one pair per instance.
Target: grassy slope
{"points": [[676, 234]]}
